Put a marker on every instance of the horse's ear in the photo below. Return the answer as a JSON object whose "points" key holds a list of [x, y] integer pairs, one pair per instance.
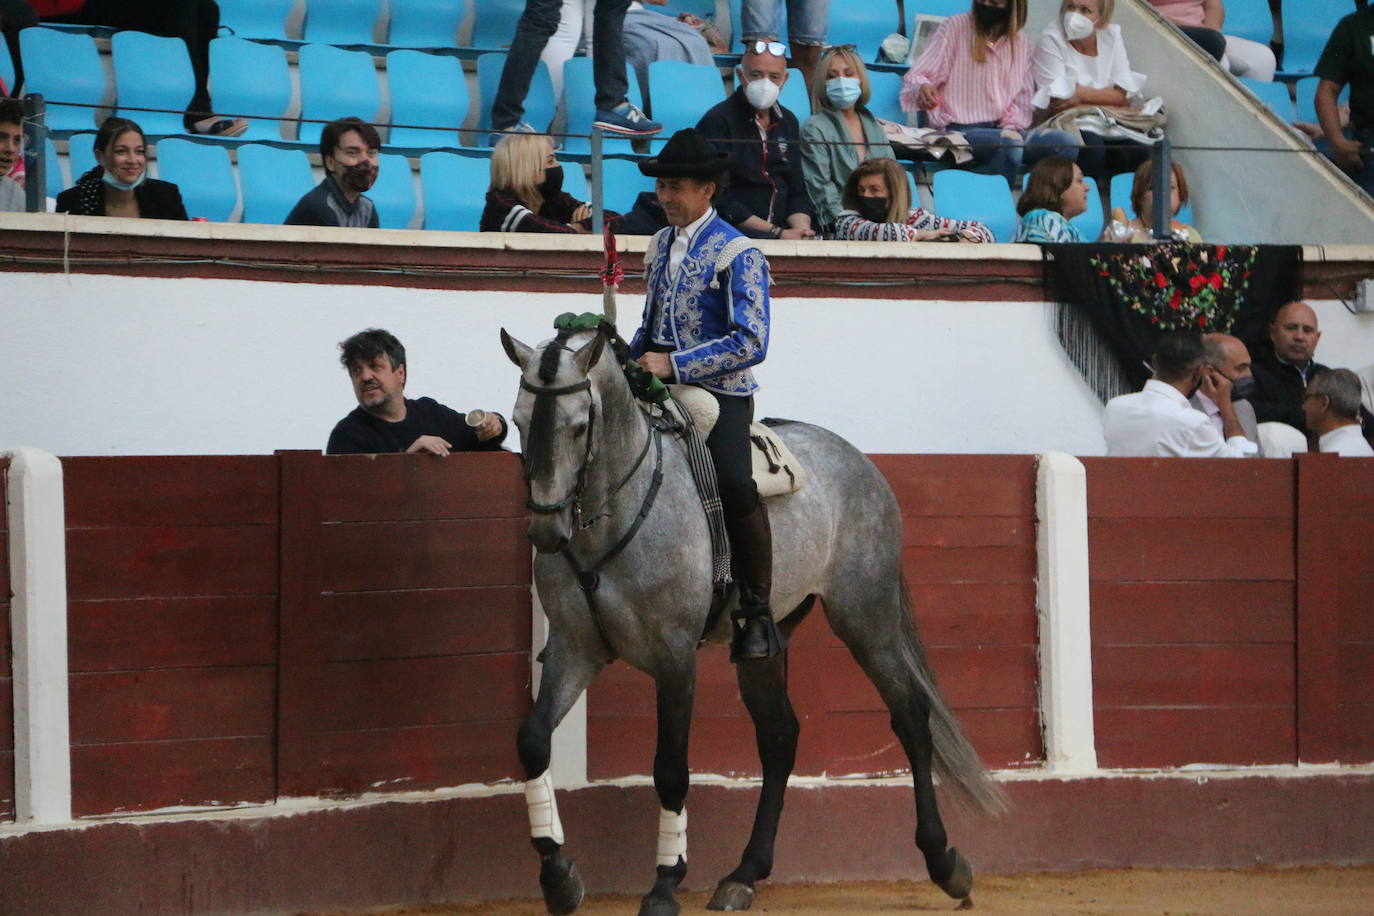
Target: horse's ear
{"points": [[519, 353], [588, 355]]}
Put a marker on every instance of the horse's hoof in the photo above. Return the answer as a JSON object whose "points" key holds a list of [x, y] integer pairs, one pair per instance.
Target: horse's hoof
{"points": [[658, 906], [732, 895], [959, 884], [562, 886], [965, 904]]}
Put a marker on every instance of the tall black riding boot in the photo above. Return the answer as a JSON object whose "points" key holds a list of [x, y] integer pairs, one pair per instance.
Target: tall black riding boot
{"points": [[754, 635]]}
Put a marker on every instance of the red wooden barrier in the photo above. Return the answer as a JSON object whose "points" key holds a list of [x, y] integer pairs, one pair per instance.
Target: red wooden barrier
{"points": [[969, 558], [6, 680], [405, 624], [1192, 595]]}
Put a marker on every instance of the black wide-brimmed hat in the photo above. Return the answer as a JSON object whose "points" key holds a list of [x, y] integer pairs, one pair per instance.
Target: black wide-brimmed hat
{"points": [[686, 155]]}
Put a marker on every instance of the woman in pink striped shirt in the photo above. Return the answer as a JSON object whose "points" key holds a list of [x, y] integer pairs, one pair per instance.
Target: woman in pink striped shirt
{"points": [[976, 78]]}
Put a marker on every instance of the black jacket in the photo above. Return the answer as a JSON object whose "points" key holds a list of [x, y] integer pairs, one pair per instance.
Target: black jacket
{"points": [[763, 178], [156, 199], [1279, 390]]}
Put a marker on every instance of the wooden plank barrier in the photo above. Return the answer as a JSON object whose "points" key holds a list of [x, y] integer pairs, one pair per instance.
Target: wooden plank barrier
{"points": [[1192, 583], [6, 677], [969, 559]]}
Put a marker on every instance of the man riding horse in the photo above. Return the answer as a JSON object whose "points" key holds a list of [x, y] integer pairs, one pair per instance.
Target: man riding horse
{"points": [[706, 324]]}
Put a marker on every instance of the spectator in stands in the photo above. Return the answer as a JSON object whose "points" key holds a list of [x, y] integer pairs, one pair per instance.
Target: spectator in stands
{"points": [[840, 133], [349, 148], [15, 15], [806, 27], [876, 207], [11, 149], [614, 113], [1201, 20], [1284, 364], [1348, 59], [1227, 356], [1055, 193], [119, 185], [526, 192], [195, 22], [1331, 407], [1158, 422], [385, 420], [765, 196], [1081, 60], [975, 78], [1140, 228]]}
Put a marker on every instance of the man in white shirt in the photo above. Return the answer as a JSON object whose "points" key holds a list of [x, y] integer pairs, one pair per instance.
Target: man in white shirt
{"points": [[1229, 357], [1158, 421], [1332, 408]]}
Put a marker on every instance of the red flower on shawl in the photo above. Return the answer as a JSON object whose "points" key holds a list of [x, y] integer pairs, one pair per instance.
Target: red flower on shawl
{"points": [[1196, 282], [1161, 281], [1216, 281], [1175, 299], [1221, 251]]}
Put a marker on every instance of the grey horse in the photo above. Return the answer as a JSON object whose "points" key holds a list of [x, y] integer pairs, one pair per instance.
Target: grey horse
{"points": [[624, 570]]}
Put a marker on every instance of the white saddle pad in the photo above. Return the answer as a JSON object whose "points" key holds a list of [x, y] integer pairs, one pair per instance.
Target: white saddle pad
{"points": [[777, 471]]}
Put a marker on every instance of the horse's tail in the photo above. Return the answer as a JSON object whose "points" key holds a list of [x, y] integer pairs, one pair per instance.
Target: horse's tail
{"points": [[956, 763]]}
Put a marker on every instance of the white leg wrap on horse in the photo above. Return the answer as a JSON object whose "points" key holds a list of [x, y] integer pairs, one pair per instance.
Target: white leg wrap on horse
{"points": [[543, 809], [672, 837]]}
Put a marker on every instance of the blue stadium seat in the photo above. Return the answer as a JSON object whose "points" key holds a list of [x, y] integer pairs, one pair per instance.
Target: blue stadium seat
{"points": [[80, 154], [864, 25], [691, 91], [204, 174], [1091, 221], [6, 66], [251, 78], [152, 72], [336, 84], [65, 67], [1273, 95], [1305, 33], [1249, 19], [575, 181], [937, 8], [884, 94], [394, 192], [794, 96], [540, 104], [273, 180], [494, 27], [425, 23], [1307, 98], [55, 181], [579, 104], [622, 183], [706, 9], [264, 19], [1120, 194], [428, 90], [968, 195], [341, 22], [454, 189]]}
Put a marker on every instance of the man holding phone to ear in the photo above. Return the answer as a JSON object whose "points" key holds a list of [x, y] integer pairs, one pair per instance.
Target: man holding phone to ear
{"points": [[1158, 421]]}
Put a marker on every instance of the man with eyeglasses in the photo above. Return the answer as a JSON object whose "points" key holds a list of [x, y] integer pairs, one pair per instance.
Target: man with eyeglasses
{"points": [[348, 150], [765, 197], [806, 26]]}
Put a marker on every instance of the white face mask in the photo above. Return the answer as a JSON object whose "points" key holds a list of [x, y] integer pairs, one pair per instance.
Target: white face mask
{"points": [[1077, 26], [761, 93]]}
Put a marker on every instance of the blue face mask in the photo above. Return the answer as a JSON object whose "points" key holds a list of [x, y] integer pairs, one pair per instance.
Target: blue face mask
{"points": [[124, 185], [842, 91]]}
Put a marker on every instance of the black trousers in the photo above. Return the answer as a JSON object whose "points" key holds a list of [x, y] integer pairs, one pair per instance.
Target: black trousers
{"points": [[729, 447]]}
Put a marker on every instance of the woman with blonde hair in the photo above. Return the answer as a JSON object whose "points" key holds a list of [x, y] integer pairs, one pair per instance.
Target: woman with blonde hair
{"points": [[526, 193], [840, 133], [877, 208], [975, 78]]}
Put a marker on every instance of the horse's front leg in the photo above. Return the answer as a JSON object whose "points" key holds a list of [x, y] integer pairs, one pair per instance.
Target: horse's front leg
{"points": [[675, 691], [564, 678]]}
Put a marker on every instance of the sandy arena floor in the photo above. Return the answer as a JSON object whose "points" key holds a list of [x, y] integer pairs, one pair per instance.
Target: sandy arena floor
{"points": [[1252, 892]]}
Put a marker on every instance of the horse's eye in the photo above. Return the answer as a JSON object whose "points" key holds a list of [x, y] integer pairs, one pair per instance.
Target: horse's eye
{"points": [[579, 431]]}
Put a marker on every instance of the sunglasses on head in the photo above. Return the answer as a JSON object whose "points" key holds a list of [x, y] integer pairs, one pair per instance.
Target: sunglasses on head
{"points": [[849, 47], [776, 48]]}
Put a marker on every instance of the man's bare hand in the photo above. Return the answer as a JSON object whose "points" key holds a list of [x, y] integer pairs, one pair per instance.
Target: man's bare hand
{"points": [[1347, 155], [432, 444], [490, 428], [1217, 387], [657, 363], [796, 232]]}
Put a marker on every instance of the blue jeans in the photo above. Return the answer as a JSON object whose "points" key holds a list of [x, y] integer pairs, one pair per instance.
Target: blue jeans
{"points": [[532, 32], [992, 157], [806, 21]]}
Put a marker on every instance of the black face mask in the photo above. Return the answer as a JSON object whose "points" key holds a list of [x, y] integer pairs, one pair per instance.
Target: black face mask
{"points": [[552, 183], [1242, 388], [873, 209], [358, 177], [990, 17]]}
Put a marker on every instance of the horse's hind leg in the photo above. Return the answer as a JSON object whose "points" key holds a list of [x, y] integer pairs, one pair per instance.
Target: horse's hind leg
{"points": [[763, 686], [564, 678], [675, 687]]}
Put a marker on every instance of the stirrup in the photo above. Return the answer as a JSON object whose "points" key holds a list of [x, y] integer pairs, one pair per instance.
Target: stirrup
{"points": [[754, 637]]}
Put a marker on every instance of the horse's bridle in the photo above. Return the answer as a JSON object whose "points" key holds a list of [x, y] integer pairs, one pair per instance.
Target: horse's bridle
{"points": [[575, 496]]}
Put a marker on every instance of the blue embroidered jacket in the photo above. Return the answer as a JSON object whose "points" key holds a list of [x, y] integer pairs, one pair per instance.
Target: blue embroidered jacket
{"points": [[716, 330]]}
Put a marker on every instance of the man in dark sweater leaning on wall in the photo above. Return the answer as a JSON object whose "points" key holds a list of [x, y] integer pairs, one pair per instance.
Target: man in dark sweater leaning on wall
{"points": [[385, 420]]}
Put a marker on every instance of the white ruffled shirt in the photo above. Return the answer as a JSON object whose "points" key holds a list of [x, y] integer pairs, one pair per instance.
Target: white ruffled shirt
{"points": [[1060, 69]]}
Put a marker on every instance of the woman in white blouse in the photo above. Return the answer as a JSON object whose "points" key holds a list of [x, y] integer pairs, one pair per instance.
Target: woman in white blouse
{"points": [[1081, 60]]}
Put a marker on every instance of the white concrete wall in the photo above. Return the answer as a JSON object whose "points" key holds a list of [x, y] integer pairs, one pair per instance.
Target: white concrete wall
{"points": [[107, 365]]}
